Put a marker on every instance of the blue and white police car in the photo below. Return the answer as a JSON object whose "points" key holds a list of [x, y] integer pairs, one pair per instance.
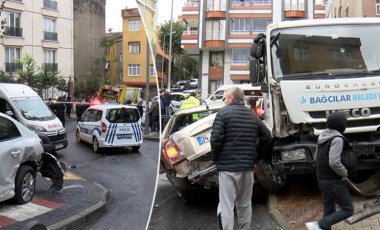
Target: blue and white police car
{"points": [[110, 126]]}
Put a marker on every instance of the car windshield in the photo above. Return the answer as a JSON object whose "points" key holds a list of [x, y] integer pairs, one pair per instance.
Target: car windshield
{"points": [[123, 115], [33, 108], [326, 52]]}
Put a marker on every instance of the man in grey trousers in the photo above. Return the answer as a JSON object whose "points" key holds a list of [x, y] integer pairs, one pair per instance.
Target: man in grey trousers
{"points": [[234, 137]]}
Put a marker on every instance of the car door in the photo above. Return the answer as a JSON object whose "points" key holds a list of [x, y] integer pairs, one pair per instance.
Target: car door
{"points": [[12, 150], [88, 123]]}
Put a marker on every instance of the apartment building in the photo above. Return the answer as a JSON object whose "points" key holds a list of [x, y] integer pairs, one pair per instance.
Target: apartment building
{"points": [[42, 29], [220, 33], [148, 10], [162, 64], [113, 65], [137, 61], [352, 8]]}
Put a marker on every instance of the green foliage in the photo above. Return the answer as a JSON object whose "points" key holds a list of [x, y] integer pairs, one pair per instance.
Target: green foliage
{"points": [[185, 68], [62, 85], [4, 78], [2, 22], [27, 71], [177, 28]]}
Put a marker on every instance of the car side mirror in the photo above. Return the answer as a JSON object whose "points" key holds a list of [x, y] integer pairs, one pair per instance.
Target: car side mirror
{"points": [[9, 113]]}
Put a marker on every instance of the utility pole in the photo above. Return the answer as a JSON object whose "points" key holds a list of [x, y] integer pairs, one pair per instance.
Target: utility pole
{"points": [[170, 47], [146, 128]]}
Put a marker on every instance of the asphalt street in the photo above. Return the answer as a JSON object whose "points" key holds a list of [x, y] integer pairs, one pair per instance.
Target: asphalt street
{"points": [[130, 176]]}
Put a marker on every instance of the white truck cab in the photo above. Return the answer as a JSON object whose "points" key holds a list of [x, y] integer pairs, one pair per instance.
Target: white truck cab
{"points": [[23, 104]]}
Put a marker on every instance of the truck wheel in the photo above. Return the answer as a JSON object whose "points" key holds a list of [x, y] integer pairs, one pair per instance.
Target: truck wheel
{"points": [[183, 186], [269, 178], [24, 184], [77, 135]]}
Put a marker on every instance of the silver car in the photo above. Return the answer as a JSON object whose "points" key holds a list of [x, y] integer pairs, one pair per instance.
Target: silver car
{"points": [[20, 157]]}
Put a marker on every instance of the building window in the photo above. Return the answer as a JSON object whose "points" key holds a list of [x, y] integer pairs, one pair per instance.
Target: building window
{"points": [[134, 47], [12, 24], [216, 30], [217, 5], [240, 56], [301, 54], [260, 24], [50, 60], [377, 7], [50, 4], [339, 55], [12, 54], [152, 71], [133, 69], [295, 5], [134, 25], [240, 25], [49, 29]]}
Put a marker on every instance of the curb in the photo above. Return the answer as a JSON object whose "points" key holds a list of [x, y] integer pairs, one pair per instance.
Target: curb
{"points": [[275, 213], [86, 215]]}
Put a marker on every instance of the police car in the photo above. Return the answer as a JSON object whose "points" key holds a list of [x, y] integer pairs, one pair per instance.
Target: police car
{"points": [[110, 126]]}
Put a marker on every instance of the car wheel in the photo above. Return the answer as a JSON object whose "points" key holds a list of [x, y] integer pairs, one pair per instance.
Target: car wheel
{"points": [[24, 184], [269, 177], [135, 148], [95, 145], [77, 135]]}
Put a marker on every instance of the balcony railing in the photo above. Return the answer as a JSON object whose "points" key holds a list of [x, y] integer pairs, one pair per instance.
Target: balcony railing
{"points": [[192, 3], [250, 2], [294, 6], [51, 67], [188, 32], [50, 4], [216, 7], [215, 35], [12, 66], [12, 31], [50, 36]]}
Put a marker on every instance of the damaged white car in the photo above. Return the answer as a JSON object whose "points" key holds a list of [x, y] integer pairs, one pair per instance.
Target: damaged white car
{"points": [[20, 157]]}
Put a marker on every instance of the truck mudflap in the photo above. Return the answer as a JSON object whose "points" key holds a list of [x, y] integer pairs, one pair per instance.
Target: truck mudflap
{"points": [[367, 211], [368, 188]]}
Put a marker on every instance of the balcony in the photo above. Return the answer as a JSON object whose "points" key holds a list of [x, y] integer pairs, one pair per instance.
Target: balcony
{"points": [[12, 31], [215, 39], [50, 36], [215, 11], [192, 3], [190, 34], [294, 11], [51, 67], [12, 67], [49, 4], [250, 2]]}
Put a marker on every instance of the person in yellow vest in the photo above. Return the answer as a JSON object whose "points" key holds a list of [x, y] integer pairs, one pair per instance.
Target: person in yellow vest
{"points": [[190, 102]]}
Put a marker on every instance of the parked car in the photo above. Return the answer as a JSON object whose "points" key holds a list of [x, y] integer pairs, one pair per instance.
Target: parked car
{"points": [[248, 89], [193, 83], [20, 157], [110, 126]]}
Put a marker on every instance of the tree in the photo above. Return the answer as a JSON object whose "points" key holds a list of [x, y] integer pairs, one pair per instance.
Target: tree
{"points": [[177, 28], [62, 85], [185, 68], [27, 71], [5, 78], [3, 21], [47, 78]]}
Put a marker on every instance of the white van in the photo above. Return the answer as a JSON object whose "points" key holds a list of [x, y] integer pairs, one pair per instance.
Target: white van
{"points": [[23, 104], [249, 91]]}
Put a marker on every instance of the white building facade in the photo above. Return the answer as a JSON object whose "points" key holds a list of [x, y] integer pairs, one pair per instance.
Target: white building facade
{"points": [[42, 29]]}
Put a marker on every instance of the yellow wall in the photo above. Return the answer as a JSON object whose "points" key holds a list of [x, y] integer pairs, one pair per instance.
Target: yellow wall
{"points": [[140, 58]]}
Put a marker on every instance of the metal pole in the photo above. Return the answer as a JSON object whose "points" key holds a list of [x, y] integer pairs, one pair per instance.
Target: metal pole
{"points": [[146, 129], [163, 64], [170, 47]]}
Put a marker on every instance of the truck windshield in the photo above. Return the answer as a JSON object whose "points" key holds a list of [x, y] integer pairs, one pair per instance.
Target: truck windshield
{"points": [[326, 52], [33, 108]]}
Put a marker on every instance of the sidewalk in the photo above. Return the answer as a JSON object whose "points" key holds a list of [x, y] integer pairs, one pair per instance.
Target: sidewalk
{"points": [[80, 202], [153, 136], [302, 203]]}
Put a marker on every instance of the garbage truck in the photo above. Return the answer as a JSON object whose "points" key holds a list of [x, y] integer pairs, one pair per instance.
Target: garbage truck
{"points": [[308, 69], [119, 93]]}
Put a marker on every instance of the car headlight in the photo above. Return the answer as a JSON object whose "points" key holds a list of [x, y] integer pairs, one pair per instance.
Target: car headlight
{"points": [[37, 128], [293, 155]]}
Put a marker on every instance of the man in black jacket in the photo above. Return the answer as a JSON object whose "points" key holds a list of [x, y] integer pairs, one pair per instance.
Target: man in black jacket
{"points": [[234, 135]]}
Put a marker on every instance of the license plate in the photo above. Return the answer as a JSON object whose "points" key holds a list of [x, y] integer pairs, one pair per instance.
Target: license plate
{"points": [[124, 136], [204, 138], [59, 146]]}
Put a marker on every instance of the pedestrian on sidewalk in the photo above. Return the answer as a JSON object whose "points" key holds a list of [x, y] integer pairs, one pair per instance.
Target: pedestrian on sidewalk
{"points": [[155, 114], [332, 173], [234, 135]]}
